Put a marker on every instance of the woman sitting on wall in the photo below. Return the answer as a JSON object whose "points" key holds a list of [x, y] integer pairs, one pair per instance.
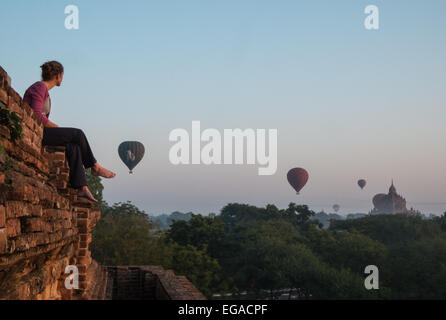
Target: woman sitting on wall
{"points": [[78, 150]]}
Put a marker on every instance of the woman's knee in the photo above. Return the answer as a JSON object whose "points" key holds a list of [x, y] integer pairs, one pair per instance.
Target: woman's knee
{"points": [[78, 134]]}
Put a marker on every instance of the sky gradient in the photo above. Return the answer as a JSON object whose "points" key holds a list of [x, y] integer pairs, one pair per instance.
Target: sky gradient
{"points": [[348, 103]]}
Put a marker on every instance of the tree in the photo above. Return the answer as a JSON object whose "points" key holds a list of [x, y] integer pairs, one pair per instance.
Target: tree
{"points": [[197, 266], [124, 236], [349, 250], [298, 214], [199, 232]]}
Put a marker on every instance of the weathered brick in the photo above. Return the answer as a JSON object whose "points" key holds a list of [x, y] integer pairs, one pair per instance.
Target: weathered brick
{"points": [[13, 226], [43, 238], [82, 223], [37, 210], [28, 121], [84, 260], [62, 203], [66, 224], [54, 214], [57, 156], [82, 252], [27, 109], [24, 192], [2, 216], [66, 233], [85, 237], [32, 225], [60, 184], [37, 124], [25, 242], [82, 268], [3, 240], [47, 227], [15, 209], [57, 225], [83, 214], [8, 80], [83, 244], [83, 285], [56, 163], [14, 107], [4, 99], [83, 229], [14, 96]]}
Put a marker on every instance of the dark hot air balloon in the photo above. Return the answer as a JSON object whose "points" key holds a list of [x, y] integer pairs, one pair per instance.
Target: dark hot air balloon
{"points": [[297, 178], [362, 183], [378, 200], [336, 207], [131, 153]]}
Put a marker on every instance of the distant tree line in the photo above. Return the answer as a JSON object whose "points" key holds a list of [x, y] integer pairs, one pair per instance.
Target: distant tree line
{"points": [[262, 250]]}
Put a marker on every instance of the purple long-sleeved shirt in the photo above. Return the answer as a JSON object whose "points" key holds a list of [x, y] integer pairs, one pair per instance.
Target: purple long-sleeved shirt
{"points": [[38, 98]]}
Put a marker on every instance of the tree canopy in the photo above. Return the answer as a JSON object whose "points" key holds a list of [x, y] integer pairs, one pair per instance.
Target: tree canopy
{"points": [[264, 250]]}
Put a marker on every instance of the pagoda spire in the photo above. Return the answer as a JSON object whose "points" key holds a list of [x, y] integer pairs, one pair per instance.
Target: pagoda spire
{"points": [[392, 188]]}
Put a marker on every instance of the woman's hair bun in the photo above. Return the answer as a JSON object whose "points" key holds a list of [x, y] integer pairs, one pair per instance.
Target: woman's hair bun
{"points": [[50, 70]]}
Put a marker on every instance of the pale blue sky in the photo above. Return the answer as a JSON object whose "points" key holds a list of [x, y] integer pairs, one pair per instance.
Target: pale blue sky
{"points": [[348, 103]]}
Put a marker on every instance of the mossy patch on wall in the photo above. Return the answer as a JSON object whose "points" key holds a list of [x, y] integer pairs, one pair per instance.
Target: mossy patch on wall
{"points": [[12, 121]]}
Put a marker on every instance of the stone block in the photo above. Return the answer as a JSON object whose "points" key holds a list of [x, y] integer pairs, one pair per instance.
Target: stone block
{"points": [[13, 226], [82, 268], [16, 209], [2, 216], [14, 107], [32, 225], [14, 96], [3, 240], [82, 223], [4, 98], [82, 252]]}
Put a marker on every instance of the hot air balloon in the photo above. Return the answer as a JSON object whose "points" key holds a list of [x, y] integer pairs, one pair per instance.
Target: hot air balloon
{"points": [[336, 207], [297, 178], [378, 200], [131, 153], [362, 183]]}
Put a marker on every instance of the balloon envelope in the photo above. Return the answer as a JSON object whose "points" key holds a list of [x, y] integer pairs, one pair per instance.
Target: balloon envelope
{"points": [[131, 153], [362, 183], [297, 178], [336, 207]]}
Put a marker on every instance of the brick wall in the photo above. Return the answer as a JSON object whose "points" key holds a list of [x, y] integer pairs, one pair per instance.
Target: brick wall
{"points": [[149, 283], [44, 226]]}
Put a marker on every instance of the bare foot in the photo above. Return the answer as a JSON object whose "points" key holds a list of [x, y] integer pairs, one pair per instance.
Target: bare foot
{"points": [[85, 192], [98, 170]]}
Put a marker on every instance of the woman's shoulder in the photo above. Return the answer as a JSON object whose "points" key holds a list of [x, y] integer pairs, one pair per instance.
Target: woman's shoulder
{"points": [[38, 86]]}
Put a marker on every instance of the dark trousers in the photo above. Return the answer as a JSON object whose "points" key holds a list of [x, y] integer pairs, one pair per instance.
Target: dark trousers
{"points": [[78, 151]]}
